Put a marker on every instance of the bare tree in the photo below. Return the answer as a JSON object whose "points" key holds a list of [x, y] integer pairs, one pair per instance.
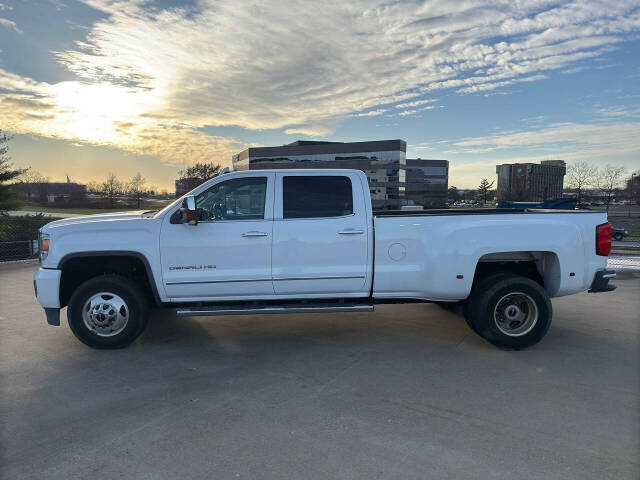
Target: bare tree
{"points": [[33, 176], [94, 187], [111, 188], [35, 185], [609, 179], [580, 175], [137, 187]]}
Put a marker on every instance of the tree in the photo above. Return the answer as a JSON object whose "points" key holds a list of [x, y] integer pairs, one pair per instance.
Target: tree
{"points": [[111, 188], [94, 187], [580, 175], [35, 185], [483, 190], [199, 173], [137, 187], [9, 198], [33, 176], [453, 194], [609, 179]]}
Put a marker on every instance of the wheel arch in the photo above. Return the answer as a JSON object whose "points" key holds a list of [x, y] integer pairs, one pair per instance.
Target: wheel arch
{"points": [[79, 267], [542, 267]]}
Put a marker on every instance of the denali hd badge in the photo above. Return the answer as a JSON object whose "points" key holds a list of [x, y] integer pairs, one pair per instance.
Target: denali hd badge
{"points": [[192, 267]]}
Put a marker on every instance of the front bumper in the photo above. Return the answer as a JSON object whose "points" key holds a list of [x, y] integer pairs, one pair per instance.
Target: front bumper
{"points": [[46, 283], [601, 281]]}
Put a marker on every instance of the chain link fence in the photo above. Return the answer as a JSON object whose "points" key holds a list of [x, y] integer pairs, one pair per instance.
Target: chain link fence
{"points": [[19, 236], [625, 247], [625, 255]]}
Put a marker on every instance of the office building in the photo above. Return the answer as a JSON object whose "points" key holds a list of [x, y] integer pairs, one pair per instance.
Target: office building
{"points": [[531, 182], [383, 161]]}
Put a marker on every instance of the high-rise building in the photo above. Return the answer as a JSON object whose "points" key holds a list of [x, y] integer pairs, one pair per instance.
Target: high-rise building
{"points": [[531, 181], [383, 161]]}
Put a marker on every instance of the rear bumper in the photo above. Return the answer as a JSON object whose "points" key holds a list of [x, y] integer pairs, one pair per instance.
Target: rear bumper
{"points": [[601, 281]]}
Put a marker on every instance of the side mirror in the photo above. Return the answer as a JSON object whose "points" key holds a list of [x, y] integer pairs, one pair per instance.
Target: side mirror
{"points": [[188, 212]]}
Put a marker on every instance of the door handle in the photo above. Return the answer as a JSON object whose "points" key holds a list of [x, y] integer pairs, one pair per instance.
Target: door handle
{"points": [[351, 231], [254, 233]]}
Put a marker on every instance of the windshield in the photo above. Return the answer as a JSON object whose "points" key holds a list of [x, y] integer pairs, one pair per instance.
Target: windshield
{"points": [[168, 207]]}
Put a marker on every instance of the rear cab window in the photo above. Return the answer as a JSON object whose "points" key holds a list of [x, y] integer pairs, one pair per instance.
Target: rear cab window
{"points": [[316, 196]]}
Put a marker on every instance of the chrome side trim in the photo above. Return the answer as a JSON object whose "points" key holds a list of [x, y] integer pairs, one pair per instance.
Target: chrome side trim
{"points": [[195, 282], [338, 277], [210, 311]]}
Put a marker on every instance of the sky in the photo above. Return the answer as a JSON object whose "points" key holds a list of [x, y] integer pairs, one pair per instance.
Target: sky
{"points": [[100, 86]]}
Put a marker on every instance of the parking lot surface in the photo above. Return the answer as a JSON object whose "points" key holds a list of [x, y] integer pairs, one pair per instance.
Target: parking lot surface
{"points": [[406, 392]]}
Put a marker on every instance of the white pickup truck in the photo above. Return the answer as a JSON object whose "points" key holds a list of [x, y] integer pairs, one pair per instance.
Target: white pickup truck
{"points": [[307, 241]]}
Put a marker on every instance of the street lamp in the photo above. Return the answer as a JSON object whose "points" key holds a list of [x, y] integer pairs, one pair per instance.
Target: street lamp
{"points": [[631, 185]]}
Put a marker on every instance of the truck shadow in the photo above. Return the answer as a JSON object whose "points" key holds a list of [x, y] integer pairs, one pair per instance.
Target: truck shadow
{"points": [[235, 334]]}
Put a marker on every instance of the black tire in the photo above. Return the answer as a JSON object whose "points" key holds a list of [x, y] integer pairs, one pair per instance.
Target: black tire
{"points": [[494, 290], [617, 236], [482, 285], [136, 308]]}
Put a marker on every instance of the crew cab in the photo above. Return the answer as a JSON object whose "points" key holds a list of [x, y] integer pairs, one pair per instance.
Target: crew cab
{"points": [[307, 241]]}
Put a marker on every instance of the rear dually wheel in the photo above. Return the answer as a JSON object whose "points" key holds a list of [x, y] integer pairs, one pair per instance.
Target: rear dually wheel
{"points": [[510, 311]]}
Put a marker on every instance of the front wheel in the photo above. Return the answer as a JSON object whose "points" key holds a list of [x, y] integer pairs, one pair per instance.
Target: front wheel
{"points": [[108, 311], [510, 312]]}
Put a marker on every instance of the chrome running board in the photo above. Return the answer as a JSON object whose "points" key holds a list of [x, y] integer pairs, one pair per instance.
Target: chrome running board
{"points": [[274, 309]]}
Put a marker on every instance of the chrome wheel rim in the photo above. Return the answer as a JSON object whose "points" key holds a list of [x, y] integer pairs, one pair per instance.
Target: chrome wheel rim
{"points": [[515, 314], [105, 314]]}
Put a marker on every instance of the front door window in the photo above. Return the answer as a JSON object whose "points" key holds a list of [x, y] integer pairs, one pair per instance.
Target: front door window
{"points": [[234, 199]]}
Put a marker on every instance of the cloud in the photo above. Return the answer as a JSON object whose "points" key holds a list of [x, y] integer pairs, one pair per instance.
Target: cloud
{"points": [[414, 111], [416, 103], [312, 131], [620, 111], [300, 66], [567, 139], [5, 22], [372, 113]]}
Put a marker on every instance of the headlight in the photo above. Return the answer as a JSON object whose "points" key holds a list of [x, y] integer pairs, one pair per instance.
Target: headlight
{"points": [[44, 243]]}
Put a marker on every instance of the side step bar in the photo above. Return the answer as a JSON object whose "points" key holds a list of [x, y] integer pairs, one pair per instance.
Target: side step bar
{"points": [[278, 309]]}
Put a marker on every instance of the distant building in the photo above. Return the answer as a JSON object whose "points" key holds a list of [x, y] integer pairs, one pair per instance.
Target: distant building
{"points": [[52, 192], [394, 180], [531, 181], [427, 182]]}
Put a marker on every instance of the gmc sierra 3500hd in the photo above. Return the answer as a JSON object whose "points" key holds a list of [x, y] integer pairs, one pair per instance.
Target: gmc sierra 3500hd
{"points": [[307, 241]]}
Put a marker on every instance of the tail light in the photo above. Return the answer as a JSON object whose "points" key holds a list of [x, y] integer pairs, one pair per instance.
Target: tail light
{"points": [[603, 239]]}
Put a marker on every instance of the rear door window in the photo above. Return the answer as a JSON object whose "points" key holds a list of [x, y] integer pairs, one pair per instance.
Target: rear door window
{"points": [[316, 196]]}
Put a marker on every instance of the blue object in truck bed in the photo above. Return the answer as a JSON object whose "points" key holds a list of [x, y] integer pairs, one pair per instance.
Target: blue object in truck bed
{"points": [[560, 204]]}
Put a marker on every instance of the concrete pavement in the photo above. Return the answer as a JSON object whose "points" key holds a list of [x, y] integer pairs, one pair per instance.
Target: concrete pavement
{"points": [[407, 392]]}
